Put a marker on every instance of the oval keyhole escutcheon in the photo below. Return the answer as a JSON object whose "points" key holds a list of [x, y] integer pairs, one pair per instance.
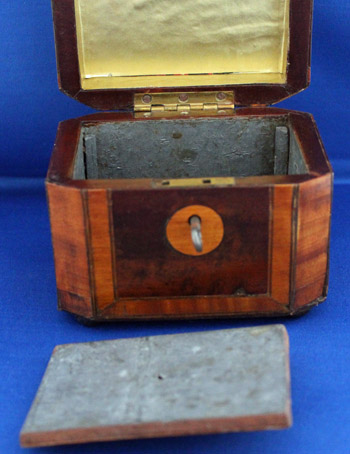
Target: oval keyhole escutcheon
{"points": [[183, 233]]}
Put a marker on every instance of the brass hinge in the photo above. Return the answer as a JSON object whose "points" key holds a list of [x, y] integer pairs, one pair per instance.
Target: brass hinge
{"points": [[204, 103]]}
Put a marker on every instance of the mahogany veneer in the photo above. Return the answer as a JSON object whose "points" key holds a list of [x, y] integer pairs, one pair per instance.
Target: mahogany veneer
{"points": [[113, 260], [111, 205]]}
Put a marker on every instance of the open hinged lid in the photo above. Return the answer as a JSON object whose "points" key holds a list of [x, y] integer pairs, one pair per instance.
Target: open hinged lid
{"points": [[109, 50]]}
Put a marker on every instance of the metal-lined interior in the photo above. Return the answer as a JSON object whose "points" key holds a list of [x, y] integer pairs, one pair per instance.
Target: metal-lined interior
{"points": [[195, 148]]}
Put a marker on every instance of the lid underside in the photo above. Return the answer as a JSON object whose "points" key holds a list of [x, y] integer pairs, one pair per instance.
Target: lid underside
{"points": [[109, 50], [162, 43]]}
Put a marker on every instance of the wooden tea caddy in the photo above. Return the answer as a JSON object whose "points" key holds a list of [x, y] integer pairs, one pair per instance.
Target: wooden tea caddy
{"points": [[193, 136]]}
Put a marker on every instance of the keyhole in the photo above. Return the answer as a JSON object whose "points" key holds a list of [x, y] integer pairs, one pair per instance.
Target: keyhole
{"points": [[196, 232]]}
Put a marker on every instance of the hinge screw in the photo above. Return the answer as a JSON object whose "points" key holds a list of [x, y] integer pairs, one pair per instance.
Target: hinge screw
{"points": [[183, 97], [147, 99], [221, 96]]}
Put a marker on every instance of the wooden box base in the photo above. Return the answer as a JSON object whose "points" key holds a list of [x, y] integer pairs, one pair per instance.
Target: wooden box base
{"points": [[116, 187]]}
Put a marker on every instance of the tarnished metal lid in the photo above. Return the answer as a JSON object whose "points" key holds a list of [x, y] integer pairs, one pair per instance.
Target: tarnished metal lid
{"points": [[184, 384]]}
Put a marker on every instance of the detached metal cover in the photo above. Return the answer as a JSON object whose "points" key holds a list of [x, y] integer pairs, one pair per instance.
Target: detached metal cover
{"points": [[186, 384]]}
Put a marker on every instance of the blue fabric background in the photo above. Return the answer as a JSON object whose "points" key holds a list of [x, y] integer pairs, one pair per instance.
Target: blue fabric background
{"points": [[31, 107]]}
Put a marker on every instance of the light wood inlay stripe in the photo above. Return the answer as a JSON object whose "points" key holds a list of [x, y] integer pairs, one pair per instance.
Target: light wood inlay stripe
{"points": [[281, 243], [101, 248]]}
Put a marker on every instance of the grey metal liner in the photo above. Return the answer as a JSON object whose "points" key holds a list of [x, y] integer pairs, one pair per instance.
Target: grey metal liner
{"points": [[193, 148], [181, 384]]}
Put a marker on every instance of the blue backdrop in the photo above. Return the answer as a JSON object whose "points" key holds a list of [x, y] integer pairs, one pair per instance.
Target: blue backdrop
{"points": [[31, 107]]}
